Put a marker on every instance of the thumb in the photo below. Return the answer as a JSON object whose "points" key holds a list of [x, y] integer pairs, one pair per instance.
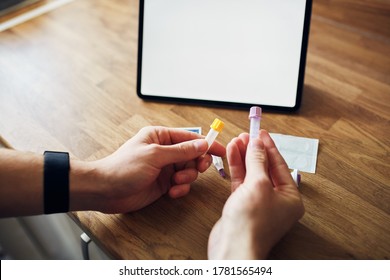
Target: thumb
{"points": [[256, 160], [180, 152]]}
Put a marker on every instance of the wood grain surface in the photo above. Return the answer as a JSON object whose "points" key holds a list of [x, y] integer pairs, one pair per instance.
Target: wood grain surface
{"points": [[68, 82]]}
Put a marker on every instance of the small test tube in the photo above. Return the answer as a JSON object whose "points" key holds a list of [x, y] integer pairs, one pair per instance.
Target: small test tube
{"points": [[218, 163], [254, 117], [216, 128], [296, 177]]}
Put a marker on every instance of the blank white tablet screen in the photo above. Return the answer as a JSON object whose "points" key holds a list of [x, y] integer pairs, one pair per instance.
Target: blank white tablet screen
{"points": [[243, 51]]}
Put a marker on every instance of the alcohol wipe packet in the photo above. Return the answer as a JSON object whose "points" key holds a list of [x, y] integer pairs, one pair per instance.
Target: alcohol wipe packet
{"points": [[299, 152]]}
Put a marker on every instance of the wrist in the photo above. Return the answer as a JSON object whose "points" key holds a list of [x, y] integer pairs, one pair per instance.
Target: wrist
{"points": [[84, 186], [241, 240]]}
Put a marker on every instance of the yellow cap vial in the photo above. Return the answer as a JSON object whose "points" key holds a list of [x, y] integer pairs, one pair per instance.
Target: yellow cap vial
{"points": [[217, 125], [216, 128]]}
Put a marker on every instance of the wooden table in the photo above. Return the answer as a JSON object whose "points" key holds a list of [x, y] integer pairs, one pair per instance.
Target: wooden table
{"points": [[68, 82]]}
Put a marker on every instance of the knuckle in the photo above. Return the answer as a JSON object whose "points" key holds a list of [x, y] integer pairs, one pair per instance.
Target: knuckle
{"points": [[154, 151]]}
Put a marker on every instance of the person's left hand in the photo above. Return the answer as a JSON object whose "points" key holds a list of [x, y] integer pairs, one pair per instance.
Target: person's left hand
{"points": [[155, 161]]}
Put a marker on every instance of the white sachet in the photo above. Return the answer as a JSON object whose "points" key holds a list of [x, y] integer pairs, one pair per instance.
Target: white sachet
{"points": [[299, 152]]}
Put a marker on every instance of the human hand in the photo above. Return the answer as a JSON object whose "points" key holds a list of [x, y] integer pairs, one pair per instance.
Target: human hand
{"points": [[155, 161], [264, 205]]}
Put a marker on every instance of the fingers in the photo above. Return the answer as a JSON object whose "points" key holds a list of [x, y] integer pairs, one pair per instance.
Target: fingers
{"points": [[243, 144], [185, 176], [217, 149], [256, 160], [177, 135], [178, 145], [278, 168], [181, 181], [181, 152], [262, 160], [204, 163], [179, 191], [235, 151]]}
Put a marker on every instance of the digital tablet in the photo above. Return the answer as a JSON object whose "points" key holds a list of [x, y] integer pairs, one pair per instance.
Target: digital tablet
{"points": [[235, 53]]}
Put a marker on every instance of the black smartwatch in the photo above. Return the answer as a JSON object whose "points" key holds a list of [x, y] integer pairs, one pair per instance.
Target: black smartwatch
{"points": [[56, 182]]}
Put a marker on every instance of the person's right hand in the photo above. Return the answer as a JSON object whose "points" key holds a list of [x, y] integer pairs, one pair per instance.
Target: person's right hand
{"points": [[264, 205]]}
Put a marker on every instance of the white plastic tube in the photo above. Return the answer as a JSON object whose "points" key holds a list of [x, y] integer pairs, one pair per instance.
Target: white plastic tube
{"points": [[215, 128], [296, 177], [218, 163], [254, 117], [211, 136]]}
